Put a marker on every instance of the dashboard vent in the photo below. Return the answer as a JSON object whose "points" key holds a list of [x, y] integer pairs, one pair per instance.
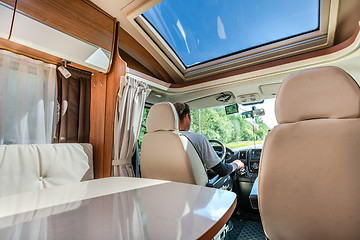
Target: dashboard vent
{"points": [[242, 155]]}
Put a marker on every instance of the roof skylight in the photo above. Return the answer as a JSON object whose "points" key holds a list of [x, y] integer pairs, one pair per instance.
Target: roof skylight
{"points": [[200, 31]]}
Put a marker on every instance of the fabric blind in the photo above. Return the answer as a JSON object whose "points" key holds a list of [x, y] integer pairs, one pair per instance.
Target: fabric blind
{"points": [[73, 107]]}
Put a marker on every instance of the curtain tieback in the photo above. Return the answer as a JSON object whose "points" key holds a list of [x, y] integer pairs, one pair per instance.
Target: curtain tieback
{"points": [[122, 168], [118, 162]]}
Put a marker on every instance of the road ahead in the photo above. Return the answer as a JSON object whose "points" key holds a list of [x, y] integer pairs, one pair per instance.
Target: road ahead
{"points": [[247, 147]]}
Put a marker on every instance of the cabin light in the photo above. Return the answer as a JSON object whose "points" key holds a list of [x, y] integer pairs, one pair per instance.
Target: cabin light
{"points": [[64, 72], [224, 97], [252, 98], [158, 95]]}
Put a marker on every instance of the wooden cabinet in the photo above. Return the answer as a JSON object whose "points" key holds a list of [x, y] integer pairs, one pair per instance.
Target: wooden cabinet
{"points": [[75, 30], [78, 18], [6, 15], [8, 2]]}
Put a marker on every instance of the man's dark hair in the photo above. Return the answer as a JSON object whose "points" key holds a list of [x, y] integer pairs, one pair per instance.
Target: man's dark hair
{"points": [[182, 109]]}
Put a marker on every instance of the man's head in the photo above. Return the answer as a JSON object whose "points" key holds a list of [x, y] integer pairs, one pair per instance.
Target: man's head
{"points": [[183, 111]]}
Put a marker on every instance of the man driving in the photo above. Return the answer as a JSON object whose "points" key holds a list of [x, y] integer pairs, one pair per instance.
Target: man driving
{"points": [[203, 147]]}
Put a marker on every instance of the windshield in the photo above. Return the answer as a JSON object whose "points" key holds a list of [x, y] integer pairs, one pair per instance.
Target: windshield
{"points": [[233, 130]]}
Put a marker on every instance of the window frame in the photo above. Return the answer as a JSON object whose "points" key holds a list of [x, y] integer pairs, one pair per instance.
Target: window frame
{"points": [[314, 40]]}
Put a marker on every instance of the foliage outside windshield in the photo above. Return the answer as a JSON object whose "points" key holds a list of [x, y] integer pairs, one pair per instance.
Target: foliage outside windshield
{"points": [[233, 130]]}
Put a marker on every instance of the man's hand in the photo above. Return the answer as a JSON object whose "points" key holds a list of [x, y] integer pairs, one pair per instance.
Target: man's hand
{"points": [[239, 163]]}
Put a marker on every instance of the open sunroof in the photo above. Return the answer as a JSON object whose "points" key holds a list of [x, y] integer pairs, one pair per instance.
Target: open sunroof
{"points": [[200, 31]]}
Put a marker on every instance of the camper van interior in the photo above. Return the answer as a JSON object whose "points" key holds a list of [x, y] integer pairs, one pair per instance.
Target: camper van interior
{"points": [[91, 145]]}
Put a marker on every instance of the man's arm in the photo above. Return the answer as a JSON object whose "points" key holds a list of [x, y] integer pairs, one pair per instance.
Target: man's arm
{"points": [[208, 155], [224, 169], [212, 160]]}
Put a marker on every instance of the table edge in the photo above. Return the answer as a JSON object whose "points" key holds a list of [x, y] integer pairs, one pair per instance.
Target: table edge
{"points": [[213, 230]]}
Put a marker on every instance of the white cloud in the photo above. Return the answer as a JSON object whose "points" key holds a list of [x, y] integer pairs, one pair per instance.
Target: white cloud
{"points": [[220, 28], [178, 24]]}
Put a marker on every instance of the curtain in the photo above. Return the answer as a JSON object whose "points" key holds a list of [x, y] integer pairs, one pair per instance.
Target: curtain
{"points": [[128, 115], [27, 99], [73, 107]]}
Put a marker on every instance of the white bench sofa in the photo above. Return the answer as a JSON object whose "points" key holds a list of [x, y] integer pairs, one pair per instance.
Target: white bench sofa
{"points": [[36, 166]]}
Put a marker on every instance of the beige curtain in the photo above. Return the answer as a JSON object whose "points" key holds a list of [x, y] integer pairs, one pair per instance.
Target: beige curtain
{"points": [[128, 115], [73, 107], [27, 99]]}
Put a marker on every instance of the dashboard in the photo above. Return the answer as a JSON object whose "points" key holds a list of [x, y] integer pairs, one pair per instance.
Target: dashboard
{"points": [[243, 179], [250, 157]]}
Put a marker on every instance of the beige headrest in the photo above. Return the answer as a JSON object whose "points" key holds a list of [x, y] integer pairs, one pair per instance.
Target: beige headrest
{"points": [[162, 116], [324, 92]]}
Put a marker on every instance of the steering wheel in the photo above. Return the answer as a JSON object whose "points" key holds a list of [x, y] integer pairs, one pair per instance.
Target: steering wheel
{"points": [[223, 149]]}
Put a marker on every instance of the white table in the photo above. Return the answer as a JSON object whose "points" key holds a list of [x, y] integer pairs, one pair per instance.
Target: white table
{"points": [[117, 208]]}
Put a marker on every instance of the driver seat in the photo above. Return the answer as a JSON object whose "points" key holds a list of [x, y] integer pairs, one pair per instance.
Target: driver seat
{"points": [[166, 154]]}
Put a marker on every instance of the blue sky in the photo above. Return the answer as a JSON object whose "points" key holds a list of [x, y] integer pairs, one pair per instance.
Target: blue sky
{"points": [[200, 30]]}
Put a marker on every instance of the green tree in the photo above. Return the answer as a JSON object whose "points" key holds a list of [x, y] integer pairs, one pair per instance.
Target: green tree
{"points": [[215, 124], [143, 127]]}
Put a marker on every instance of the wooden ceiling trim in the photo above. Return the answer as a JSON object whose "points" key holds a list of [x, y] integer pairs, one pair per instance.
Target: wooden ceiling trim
{"points": [[128, 41], [76, 17], [97, 8], [275, 63]]}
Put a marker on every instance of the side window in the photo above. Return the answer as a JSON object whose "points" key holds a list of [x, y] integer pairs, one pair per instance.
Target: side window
{"points": [[143, 127]]}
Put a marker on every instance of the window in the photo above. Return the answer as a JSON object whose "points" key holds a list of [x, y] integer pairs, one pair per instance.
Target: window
{"points": [[27, 97], [234, 130], [199, 31], [201, 37], [143, 127]]}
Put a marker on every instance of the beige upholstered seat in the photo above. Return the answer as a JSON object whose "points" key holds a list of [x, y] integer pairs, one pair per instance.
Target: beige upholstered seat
{"points": [[309, 179], [36, 166], [166, 154]]}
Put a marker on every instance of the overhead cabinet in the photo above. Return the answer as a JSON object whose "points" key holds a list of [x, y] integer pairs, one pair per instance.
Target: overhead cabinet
{"points": [[6, 15], [74, 30]]}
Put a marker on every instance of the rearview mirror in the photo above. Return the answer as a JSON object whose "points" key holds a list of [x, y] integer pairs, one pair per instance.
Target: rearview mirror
{"points": [[231, 109], [253, 113]]}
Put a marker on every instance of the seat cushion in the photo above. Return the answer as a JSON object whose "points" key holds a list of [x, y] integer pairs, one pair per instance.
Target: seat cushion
{"points": [[37, 166], [324, 92], [162, 116]]}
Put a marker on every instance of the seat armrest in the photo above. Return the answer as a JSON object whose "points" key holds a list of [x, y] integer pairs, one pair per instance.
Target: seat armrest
{"points": [[253, 197], [212, 181], [220, 182]]}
